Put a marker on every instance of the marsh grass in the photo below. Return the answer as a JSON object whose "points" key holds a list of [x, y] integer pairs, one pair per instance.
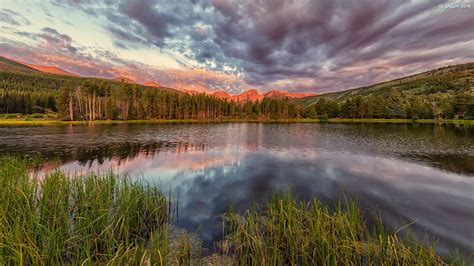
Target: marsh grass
{"points": [[108, 219], [89, 219], [288, 232]]}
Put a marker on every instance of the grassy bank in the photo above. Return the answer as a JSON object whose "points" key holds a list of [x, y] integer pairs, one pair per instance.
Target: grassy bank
{"points": [[28, 121], [74, 220], [287, 232], [99, 219], [403, 121]]}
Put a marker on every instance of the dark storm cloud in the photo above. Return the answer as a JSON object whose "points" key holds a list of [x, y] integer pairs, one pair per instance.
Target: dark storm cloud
{"points": [[13, 18], [305, 45], [153, 19], [287, 39]]}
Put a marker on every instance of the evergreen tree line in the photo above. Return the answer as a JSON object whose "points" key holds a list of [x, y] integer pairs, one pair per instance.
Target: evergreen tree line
{"points": [[27, 93], [397, 105], [22, 102], [96, 99], [104, 100]]}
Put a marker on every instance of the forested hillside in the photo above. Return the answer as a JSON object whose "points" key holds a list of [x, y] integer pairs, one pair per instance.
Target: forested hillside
{"points": [[9, 65], [75, 98], [442, 93]]}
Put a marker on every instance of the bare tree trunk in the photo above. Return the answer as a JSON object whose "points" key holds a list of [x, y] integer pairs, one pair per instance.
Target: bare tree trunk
{"points": [[79, 99], [100, 113], [90, 106], [94, 115], [126, 110], [71, 111], [105, 106], [86, 106]]}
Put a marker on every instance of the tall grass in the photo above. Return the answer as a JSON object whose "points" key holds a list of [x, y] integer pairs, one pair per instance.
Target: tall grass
{"points": [[288, 232], [74, 220], [107, 219]]}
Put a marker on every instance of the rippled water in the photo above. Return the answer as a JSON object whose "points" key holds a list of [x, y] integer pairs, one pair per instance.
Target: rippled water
{"points": [[420, 175]]}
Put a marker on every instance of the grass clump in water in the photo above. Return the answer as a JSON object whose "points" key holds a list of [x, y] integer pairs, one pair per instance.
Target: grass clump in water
{"points": [[74, 220], [288, 232]]}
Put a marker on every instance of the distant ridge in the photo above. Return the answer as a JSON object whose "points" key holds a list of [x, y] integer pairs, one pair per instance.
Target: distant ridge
{"points": [[248, 96], [284, 94], [253, 95], [125, 80], [52, 70], [152, 84], [222, 95], [17, 65], [191, 92], [13, 65]]}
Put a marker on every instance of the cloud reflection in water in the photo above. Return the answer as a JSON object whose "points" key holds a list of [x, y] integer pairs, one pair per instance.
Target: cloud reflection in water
{"points": [[208, 180]]}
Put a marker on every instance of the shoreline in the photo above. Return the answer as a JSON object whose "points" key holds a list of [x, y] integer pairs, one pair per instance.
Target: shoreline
{"points": [[45, 122]]}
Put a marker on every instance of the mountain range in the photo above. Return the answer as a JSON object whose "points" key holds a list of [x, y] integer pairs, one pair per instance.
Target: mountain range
{"points": [[450, 78], [249, 95], [254, 95]]}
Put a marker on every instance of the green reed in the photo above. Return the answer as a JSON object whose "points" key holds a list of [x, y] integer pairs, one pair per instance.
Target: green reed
{"points": [[288, 232], [92, 219], [109, 219]]}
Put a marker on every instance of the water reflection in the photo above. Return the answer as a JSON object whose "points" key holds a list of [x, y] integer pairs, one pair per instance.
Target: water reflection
{"points": [[439, 203], [418, 174], [450, 148], [401, 193], [123, 152]]}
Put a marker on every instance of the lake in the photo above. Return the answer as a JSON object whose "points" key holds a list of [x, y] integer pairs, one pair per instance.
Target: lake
{"points": [[415, 177]]}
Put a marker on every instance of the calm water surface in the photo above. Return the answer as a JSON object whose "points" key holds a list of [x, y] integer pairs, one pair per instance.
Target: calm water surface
{"points": [[420, 175]]}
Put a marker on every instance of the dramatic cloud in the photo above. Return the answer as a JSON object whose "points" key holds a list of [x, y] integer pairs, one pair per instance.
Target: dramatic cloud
{"points": [[307, 45], [106, 64], [56, 40]]}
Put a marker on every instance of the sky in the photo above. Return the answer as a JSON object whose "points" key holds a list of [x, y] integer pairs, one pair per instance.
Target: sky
{"points": [[311, 46]]}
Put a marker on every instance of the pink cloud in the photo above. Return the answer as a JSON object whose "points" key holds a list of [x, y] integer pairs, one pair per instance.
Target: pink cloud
{"points": [[95, 66]]}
